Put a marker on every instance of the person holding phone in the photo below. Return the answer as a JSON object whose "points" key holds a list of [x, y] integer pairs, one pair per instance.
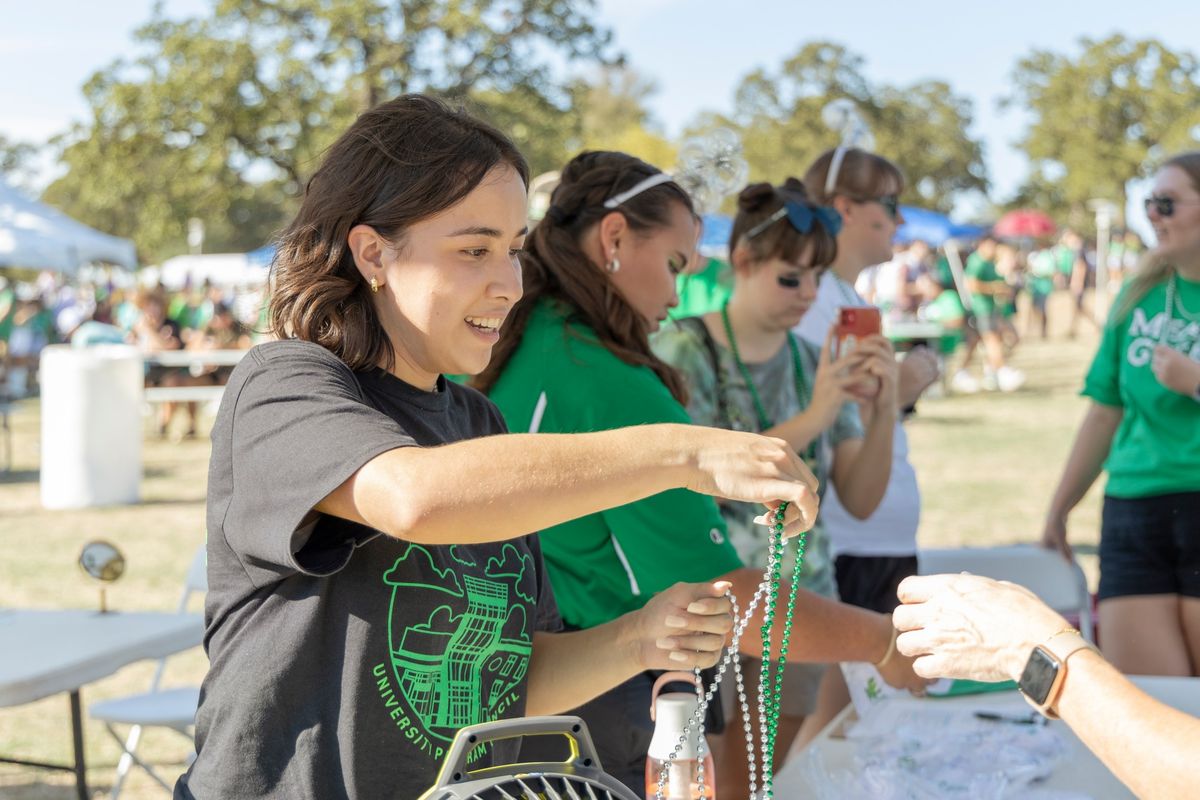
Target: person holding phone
{"points": [[872, 554], [1143, 428], [875, 553], [746, 370]]}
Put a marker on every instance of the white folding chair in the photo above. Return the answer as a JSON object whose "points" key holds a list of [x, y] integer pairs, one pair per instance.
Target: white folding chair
{"points": [[1059, 583], [164, 708]]}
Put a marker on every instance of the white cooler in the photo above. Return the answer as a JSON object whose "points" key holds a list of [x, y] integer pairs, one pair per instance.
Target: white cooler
{"points": [[91, 425]]}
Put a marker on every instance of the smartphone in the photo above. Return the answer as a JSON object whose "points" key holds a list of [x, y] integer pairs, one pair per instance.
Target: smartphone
{"points": [[855, 323]]}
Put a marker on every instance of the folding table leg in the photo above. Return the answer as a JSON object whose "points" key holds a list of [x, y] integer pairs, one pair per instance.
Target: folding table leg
{"points": [[77, 736]]}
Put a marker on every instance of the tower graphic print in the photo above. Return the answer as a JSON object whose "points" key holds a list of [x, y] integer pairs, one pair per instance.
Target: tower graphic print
{"points": [[458, 666]]}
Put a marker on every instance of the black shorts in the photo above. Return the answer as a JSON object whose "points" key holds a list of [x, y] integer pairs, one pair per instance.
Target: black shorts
{"points": [[870, 581], [1150, 545]]}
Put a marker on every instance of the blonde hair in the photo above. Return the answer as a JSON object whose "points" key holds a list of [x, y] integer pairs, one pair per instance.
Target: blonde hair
{"points": [[1153, 269]]}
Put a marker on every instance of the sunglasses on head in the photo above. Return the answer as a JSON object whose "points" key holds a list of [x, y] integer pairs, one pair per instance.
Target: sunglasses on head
{"points": [[802, 217], [1165, 206]]}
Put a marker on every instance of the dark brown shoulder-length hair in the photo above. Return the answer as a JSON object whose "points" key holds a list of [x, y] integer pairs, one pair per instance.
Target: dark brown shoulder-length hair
{"points": [[399, 163], [862, 176], [555, 265], [756, 203]]}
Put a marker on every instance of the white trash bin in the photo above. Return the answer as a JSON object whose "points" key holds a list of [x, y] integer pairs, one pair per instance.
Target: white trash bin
{"points": [[91, 425]]}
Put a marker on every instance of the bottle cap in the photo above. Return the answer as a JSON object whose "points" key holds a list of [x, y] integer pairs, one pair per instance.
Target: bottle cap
{"points": [[672, 711]]}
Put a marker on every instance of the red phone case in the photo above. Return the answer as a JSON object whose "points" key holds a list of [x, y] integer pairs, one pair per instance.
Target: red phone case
{"points": [[854, 323]]}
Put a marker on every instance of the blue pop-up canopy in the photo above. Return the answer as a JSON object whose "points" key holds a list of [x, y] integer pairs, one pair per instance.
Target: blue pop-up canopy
{"points": [[933, 228]]}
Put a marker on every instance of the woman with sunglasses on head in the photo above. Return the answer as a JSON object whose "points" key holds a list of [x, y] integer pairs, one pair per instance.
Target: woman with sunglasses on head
{"points": [[746, 370], [599, 273], [374, 580], [1143, 428]]}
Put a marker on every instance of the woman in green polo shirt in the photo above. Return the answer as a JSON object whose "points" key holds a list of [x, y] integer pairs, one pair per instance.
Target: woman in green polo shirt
{"points": [[1143, 428], [599, 275]]}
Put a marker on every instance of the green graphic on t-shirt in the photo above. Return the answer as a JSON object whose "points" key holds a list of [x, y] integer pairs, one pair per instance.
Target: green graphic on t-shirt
{"points": [[463, 663]]}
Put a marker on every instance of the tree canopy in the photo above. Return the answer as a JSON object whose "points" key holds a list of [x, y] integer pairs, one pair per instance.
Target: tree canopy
{"points": [[224, 117], [923, 128], [1101, 118]]}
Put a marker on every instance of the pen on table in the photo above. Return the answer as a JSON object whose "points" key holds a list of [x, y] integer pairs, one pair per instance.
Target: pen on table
{"points": [[1016, 719]]}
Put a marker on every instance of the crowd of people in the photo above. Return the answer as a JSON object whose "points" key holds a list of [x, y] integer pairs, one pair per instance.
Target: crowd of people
{"points": [[980, 306], [410, 554], [49, 310]]}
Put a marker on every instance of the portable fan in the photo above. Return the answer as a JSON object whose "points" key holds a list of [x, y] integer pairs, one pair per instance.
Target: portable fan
{"points": [[580, 777]]}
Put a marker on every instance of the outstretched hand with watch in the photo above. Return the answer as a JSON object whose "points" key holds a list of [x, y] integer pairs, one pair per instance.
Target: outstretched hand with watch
{"points": [[968, 626]]}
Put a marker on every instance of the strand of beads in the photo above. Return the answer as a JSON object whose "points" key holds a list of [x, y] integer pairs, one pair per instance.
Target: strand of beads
{"points": [[696, 719], [700, 735], [731, 655], [777, 694], [767, 730], [767, 592]]}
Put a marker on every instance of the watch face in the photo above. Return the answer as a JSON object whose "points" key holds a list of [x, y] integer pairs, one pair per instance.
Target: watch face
{"points": [[1038, 678]]}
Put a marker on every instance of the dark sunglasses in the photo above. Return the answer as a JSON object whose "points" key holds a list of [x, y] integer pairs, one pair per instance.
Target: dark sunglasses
{"points": [[802, 217], [890, 203], [1165, 206], [792, 282]]}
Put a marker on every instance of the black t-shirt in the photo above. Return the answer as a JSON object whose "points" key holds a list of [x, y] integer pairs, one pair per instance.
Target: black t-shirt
{"points": [[344, 660]]}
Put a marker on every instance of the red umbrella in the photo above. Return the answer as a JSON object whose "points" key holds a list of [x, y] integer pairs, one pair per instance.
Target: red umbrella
{"points": [[1025, 223]]}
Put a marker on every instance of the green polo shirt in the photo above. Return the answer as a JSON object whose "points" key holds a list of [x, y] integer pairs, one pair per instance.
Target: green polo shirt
{"points": [[1156, 449], [603, 565]]}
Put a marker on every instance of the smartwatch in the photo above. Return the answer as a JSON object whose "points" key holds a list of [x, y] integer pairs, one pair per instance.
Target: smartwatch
{"points": [[1046, 670]]}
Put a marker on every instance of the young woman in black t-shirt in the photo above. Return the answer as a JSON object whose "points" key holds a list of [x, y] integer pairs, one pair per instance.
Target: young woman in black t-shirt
{"points": [[374, 581]]}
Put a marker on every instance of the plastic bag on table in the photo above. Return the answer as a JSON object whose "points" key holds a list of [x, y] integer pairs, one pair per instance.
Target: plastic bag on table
{"points": [[926, 753]]}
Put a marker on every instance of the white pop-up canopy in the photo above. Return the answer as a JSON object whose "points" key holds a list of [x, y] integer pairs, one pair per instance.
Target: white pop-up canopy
{"points": [[37, 236]]}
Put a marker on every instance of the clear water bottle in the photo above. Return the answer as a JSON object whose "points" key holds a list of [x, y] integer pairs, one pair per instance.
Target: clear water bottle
{"points": [[671, 712]]}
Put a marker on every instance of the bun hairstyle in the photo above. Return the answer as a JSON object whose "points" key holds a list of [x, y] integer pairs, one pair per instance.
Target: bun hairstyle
{"points": [[554, 264], [861, 175], [757, 203], [399, 163]]}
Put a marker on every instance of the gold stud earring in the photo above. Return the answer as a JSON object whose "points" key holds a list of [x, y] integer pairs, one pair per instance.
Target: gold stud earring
{"points": [[374, 284]]}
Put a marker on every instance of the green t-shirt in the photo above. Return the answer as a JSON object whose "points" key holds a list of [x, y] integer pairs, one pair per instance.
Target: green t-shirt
{"points": [[561, 379], [984, 271], [1042, 266], [1156, 449], [1065, 258], [704, 291]]}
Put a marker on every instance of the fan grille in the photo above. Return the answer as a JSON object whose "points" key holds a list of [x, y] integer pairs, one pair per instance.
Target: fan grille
{"points": [[540, 786]]}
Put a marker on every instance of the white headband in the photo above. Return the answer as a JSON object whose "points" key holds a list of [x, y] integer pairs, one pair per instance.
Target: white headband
{"points": [[639, 187], [835, 166]]}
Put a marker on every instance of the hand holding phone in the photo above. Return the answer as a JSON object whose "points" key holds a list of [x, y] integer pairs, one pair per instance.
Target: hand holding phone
{"points": [[854, 324]]}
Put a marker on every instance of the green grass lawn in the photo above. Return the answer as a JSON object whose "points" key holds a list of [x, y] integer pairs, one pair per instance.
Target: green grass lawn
{"points": [[987, 466]]}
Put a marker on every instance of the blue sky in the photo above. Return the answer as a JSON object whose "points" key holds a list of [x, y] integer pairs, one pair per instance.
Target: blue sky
{"points": [[696, 51]]}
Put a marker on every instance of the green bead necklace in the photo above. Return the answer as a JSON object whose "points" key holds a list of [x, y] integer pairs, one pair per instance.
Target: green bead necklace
{"points": [[768, 707], [803, 393], [770, 689]]}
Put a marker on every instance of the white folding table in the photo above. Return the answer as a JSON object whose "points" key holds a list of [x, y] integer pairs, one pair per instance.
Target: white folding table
{"points": [[1080, 771], [45, 652]]}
